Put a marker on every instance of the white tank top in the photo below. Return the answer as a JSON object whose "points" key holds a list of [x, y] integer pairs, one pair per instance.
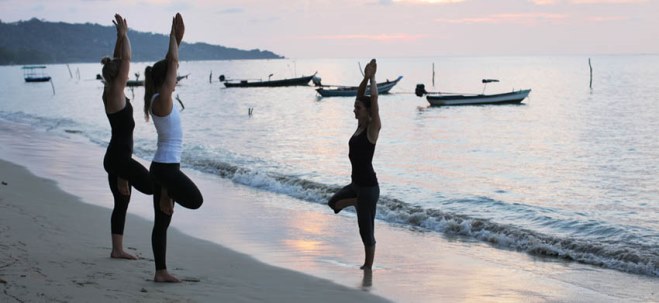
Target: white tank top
{"points": [[170, 135]]}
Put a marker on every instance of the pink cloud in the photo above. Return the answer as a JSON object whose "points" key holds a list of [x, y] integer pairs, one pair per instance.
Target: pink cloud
{"points": [[551, 2], [380, 37], [606, 18], [523, 18], [431, 1]]}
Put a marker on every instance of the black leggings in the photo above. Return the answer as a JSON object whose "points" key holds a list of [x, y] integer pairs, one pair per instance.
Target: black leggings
{"points": [[367, 200], [137, 176], [179, 188]]}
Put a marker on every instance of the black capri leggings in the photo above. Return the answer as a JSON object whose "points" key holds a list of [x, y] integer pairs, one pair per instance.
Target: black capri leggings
{"points": [[367, 200], [136, 175], [182, 190]]}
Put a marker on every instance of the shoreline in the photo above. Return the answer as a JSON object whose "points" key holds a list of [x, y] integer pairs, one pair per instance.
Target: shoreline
{"points": [[52, 250], [306, 238]]}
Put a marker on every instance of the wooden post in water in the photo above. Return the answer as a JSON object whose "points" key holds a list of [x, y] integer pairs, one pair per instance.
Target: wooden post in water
{"points": [[591, 73], [433, 74]]}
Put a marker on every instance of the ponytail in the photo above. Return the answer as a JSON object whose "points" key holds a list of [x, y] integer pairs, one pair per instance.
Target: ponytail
{"points": [[154, 77], [149, 90], [110, 68]]}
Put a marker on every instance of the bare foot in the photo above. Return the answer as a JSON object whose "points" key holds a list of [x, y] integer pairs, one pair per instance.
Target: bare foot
{"points": [[122, 255], [123, 186], [167, 206], [166, 203], [164, 276], [118, 248]]}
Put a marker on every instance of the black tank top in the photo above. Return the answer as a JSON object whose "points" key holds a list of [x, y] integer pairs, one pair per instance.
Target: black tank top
{"points": [[122, 123], [361, 157]]}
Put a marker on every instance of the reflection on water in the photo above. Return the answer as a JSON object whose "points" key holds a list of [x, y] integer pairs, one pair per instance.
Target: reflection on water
{"points": [[367, 281]]}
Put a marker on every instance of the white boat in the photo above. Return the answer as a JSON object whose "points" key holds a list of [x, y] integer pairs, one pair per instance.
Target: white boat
{"points": [[505, 98], [351, 91], [447, 99], [35, 73]]}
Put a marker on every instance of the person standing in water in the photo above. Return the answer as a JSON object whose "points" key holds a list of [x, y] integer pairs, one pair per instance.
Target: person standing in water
{"points": [[123, 171], [170, 184], [364, 191]]}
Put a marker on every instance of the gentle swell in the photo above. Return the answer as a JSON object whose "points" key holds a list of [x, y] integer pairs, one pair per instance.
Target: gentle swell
{"points": [[633, 258], [619, 255]]}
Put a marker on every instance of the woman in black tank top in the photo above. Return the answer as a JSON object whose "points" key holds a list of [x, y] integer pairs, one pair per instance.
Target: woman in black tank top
{"points": [[363, 192], [123, 171]]}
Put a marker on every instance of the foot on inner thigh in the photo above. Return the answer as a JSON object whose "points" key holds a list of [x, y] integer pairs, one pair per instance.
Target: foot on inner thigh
{"points": [[166, 205]]}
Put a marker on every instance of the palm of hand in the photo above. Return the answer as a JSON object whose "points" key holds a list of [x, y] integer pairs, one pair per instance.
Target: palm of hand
{"points": [[120, 23], [370, 69], [178, 27]]}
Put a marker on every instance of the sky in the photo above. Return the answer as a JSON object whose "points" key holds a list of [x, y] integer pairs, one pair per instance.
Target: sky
{"points": [[379, 28]]}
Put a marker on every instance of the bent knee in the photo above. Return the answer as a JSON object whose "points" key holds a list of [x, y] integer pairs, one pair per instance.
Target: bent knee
{"points": [[197, 203]]}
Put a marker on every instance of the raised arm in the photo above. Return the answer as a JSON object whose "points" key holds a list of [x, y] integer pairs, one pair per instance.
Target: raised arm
{"points": [[375, 124], [122, 49], [175, 36], [361, 90], [118, 68]]}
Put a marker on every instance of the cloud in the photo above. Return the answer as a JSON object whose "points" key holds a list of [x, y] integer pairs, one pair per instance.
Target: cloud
{"points": [[232, 10], [606, 18], [552, 2], [520, 18], [426, 1], [380, 37], [431, 1], [608, 1]]}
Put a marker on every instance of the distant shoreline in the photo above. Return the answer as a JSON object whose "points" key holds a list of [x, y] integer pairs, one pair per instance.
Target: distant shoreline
{"points": [[43, 42]]}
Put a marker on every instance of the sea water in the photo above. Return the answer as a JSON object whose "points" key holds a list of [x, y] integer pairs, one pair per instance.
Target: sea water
{"points": [[572, 173]]}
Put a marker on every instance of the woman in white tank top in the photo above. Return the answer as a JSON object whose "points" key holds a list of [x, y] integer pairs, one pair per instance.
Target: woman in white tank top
{"points": [[170, 183]]}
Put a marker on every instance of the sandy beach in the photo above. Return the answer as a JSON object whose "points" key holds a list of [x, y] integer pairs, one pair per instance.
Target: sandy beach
{"points": [[55, 248], [245, 245]]}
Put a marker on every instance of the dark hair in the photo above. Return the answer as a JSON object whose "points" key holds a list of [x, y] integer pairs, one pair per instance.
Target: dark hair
{"points": [[366, 100], [154, 77], [110, 68]]}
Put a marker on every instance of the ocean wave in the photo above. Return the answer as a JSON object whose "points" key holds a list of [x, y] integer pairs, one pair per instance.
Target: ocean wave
{"points": [[627, 257], [47, 124], [582, 241]]}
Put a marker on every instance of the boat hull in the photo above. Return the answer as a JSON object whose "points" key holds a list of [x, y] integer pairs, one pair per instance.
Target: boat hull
{"points": [[134, 83], [383, 88], [272, 83], [38, 79], [505, 98]]}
